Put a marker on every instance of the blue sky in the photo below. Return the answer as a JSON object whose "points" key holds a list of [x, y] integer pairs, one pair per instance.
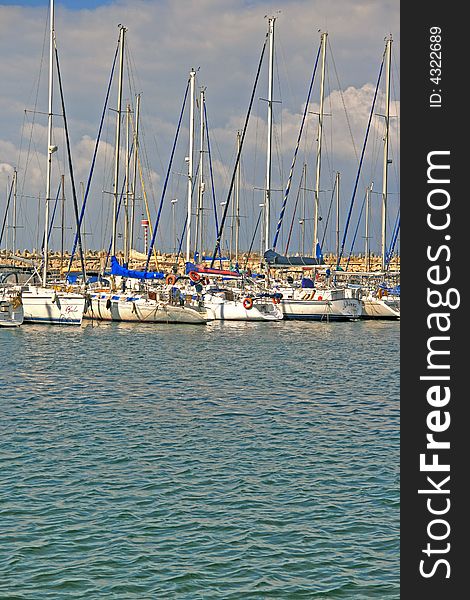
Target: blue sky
{"points": [[165, 39]]}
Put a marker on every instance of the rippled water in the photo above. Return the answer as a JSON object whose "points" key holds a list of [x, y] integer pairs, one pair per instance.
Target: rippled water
{"points": [[249, 460]]}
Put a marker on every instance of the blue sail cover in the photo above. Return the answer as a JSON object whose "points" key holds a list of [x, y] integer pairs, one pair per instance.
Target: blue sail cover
{"points": [[117, 269], [277, 260]]}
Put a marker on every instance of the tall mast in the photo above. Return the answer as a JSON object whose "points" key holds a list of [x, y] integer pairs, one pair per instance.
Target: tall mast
{"points": [[126, 204], [15, 186], [367, 236], [201, 187], [192, 75], [304, 205], [324, 36], [62, 224], [134, 170], [122, 33], [50, 148], [237, 201], [337, 214], [388, 51], [267, 198]]}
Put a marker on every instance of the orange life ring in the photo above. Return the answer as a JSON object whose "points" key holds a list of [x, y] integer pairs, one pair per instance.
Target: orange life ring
{"points": [[276, 300], [194, 276], [248, 303], [170, 279], [320, 298]]}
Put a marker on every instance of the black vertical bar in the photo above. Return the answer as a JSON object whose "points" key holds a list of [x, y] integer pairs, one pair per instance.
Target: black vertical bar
{"points": [[433, 245]]}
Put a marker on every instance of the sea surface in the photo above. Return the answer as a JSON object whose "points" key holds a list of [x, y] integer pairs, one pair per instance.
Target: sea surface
{"points": [[233, 460]]}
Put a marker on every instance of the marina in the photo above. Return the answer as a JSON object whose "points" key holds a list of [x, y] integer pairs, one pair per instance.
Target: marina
{"points": [[200, 306]]}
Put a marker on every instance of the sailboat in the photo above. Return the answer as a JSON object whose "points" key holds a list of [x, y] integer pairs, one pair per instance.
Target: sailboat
{"points": [[43, 304], [131, 295], [382, 301], [303, 300]]}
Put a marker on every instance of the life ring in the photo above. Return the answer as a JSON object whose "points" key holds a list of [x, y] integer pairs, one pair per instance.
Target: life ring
{"points": [[194, 276], [276, 300], [170, 279], [248, 303], [320, 298]]}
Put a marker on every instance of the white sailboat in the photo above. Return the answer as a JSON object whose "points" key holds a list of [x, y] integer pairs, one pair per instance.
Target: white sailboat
{"points": [[309, 303], [42, 304], [379, 303]]}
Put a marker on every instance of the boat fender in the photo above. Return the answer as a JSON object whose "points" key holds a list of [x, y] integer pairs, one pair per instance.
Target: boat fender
{"points": [[170, 279], [194, 276], [108, 303], [248, 303]]}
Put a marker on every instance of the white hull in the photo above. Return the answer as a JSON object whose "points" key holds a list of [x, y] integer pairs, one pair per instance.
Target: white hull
{"points": [[322, 310], [45, 305], [113, 307], [233, 310], [375, 308]]}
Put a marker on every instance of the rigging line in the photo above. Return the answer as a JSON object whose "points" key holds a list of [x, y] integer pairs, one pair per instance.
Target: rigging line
{"points": [[117, 217], [328, 215], [392, 247], [52, 217], [355, 233], [293, 213], [95, 152], [291, 173], [342, 101], [5, 216], [166, 179], [212, 177], [35, 106], [242, 139], [72, 178], [360, 165], [252, 240]]}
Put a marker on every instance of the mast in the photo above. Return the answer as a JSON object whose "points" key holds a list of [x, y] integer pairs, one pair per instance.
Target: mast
{"points": [[267, 198], [126, 203], [122, 33], [337, 213], [192, 75], [202, 185], [304, 206], [62, 224], [50, 148], [388, 51], [15, 187], [367, 237], [237, 201], [324, 36], [134, 171]]}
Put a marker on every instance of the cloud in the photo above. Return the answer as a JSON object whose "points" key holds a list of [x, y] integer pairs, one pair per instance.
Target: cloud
{"points": [[164, 40]]}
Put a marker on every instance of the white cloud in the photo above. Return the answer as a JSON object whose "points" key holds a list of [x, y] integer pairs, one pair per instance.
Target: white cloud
{"points": [[165, 39]]}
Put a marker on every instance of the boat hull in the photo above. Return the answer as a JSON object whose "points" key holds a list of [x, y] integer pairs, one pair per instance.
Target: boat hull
{"points": [[107, 307], [45, 305], [345, 309], [233, 310], [375, 308]]}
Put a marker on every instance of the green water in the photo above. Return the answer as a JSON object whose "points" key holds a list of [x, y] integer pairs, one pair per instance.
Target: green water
{"points": [[243, 460]]}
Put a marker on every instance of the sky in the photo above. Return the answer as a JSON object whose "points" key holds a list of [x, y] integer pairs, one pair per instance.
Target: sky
{"points": [[222, 40]]}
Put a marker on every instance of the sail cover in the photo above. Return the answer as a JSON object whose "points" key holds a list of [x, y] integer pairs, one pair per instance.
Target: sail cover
{"points": [[117, 269], [277, 260]]}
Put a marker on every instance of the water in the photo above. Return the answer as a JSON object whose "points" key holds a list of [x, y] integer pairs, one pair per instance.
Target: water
{"points": [[243, 460]]}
